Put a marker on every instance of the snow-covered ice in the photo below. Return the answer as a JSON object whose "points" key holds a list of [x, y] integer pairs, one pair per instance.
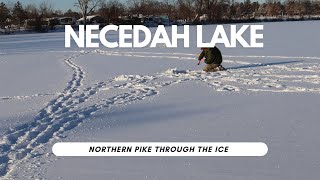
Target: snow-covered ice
{"points": [[51, 94]]}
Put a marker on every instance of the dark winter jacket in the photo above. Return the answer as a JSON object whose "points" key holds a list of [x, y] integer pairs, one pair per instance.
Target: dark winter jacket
{"points": [[212, 55]]}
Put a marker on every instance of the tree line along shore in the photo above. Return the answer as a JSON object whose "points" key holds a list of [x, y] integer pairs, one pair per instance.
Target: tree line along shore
{"points": [[44, 17]]}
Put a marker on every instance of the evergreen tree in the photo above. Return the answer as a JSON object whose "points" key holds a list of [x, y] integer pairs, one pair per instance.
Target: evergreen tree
{"points": [[4, 15], [18, 13]]}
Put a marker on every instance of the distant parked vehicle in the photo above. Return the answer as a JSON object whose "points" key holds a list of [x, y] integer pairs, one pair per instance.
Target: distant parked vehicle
{"points": [[164, 20], [150, 22], [153, 21]]}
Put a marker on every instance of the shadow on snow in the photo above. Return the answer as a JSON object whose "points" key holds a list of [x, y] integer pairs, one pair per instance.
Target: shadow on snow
{"points": [[264, 64]]}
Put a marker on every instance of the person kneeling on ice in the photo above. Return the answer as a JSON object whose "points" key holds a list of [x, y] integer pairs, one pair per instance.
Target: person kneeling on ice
{"points": [[213, 59]]}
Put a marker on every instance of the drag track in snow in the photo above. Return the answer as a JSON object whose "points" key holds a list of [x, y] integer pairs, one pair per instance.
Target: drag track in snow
{"points": [[26, 97], [61, 114], [280, 76]]}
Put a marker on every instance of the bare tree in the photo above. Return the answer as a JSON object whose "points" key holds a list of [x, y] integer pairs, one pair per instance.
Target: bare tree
{"points": [[45, 9], [111, 11], [86, 7]]}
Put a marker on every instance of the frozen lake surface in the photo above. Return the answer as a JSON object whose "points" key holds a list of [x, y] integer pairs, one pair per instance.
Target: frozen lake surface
{"points": [[51, 94]]}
